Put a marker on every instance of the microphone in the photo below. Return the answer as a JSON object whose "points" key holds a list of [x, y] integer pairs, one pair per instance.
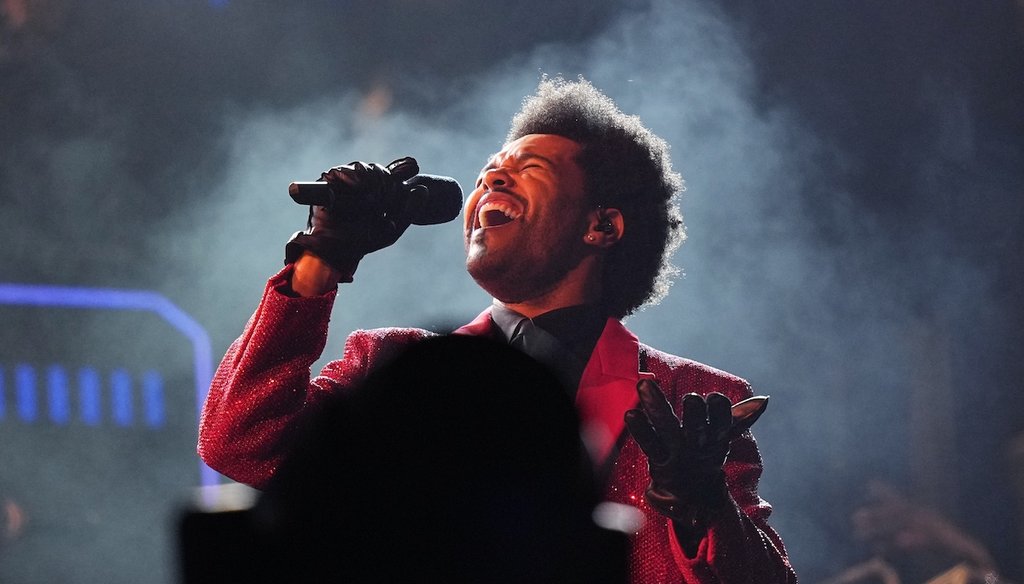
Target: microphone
{"points": [[443, 201]]}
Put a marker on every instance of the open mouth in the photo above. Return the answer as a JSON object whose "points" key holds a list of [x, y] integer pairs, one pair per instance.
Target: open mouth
{"points": [[495, 214]]}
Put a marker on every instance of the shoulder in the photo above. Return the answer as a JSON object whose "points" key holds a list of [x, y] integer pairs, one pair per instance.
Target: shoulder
{"points": [[383, 342], [680, 375], [368, 349], [391, 334]]}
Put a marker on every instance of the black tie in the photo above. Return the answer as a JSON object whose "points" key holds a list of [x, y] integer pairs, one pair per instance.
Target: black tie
{"points": [[545, 348], [524, 328]]}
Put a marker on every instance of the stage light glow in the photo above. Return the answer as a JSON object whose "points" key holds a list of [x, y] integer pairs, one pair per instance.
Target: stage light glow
{"points": [[153, 399], [57, 398], [121, 397], [25, 387], [89, 396]]}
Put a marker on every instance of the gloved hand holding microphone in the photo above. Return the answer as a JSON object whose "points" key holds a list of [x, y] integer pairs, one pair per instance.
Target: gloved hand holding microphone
{"points": [[359, 208]]}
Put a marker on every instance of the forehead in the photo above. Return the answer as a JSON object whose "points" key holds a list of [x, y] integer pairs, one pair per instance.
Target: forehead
{"points": [[557, 149]]}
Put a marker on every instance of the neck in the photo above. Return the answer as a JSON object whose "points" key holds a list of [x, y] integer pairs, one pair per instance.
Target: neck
{"points": [[582, 285]]}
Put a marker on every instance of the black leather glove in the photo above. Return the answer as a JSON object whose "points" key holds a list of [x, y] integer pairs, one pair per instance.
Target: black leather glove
{"points": [[374, 214], [685, 457]]}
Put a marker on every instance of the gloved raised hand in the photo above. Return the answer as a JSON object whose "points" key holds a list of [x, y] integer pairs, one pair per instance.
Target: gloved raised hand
{"points": [[685, 456], [374, 216]]}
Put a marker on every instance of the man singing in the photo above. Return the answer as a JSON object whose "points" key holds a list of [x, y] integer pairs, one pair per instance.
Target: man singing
{"points": [[570, 228]]}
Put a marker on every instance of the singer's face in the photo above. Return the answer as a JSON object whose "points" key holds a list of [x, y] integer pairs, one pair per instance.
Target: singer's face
{"points": [[526, 218]]}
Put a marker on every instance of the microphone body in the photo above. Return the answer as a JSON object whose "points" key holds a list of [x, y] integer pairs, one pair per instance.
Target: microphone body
{"points": [[443, 199]]}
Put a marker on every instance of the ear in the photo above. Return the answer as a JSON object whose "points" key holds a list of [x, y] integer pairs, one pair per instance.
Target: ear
{"points": [[604, 227]]}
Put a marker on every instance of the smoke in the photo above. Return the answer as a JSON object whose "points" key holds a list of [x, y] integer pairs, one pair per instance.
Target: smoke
{"points": [[790, 281], [795, 278], [761, 297]]}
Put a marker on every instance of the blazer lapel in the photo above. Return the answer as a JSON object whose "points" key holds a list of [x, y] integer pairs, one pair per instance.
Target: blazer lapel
{"points": [[608, 389], [479, 327]]}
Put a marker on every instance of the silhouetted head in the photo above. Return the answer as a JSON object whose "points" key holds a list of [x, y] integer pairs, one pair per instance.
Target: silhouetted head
{"points": [[459, 460]]}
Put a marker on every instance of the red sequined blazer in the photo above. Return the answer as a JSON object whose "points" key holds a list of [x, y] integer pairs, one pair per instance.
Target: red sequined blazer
{"points": [[263, 386]]}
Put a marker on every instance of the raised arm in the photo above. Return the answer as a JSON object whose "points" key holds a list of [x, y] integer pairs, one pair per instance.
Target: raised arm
{"points": [[262, 389]]}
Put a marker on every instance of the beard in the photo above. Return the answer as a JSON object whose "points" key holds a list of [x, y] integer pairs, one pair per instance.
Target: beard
{"points": [[515, 275]]}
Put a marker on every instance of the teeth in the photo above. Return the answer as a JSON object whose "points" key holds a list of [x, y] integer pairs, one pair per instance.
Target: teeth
{"points": [[496, 213]]}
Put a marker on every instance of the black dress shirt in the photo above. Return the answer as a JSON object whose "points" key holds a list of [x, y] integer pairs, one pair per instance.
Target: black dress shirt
{"points": [[562, 339]]}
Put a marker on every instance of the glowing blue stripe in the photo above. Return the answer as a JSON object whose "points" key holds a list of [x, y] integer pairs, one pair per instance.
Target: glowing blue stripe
{"points": [[58, 400], [25, 386], [153, 399], [89, 396], [121, 397], [24, 294]]}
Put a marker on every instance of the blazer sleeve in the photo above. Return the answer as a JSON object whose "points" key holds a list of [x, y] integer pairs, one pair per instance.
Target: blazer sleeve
{"points": [[262, 385], [262, 391]]}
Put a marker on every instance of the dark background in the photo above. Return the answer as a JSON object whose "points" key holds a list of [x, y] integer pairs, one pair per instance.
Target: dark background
{"points": [[854, 176]]}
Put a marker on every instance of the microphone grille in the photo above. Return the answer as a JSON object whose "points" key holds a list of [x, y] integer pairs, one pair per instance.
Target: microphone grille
{"points": [[444, 199]]}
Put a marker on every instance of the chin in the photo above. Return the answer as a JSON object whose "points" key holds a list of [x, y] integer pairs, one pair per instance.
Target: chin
{"points": [[508, 288], [496, 283], [521, 276]]}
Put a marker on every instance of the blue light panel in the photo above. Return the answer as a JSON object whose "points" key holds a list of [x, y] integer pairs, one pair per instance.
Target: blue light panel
{"points": [[124, 397], [90, 387]]}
